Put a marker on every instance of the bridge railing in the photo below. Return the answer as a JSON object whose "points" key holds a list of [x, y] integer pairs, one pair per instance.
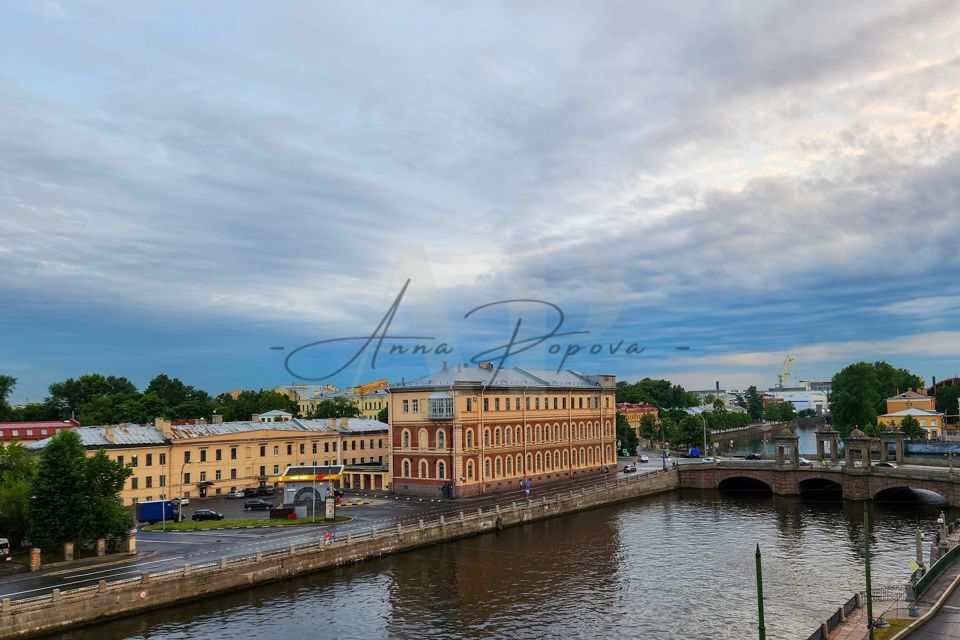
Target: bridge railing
{"points": [[921, 583]]}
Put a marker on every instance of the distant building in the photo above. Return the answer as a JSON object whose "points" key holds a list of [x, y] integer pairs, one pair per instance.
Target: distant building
{"points": [[466, 431], [200, 460], [634, 412], [308, 396], [803, 400], [33, 431], [920, 406], [272, 416]]}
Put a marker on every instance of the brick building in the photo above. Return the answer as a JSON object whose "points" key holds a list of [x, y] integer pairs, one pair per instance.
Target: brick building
{"points": [[466, 431]]}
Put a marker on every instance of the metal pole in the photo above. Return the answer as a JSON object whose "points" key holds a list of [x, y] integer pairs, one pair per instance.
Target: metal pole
{"points": [[704, 418], [314, 513], [762, 628], [866, 554]]}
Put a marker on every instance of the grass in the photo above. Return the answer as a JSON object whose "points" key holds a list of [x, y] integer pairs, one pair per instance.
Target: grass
{"points": [[239, 524], [896, 626]]}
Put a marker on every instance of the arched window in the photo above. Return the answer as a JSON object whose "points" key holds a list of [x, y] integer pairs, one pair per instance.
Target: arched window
{"points": [[539, 436], [509, 465], [405, 439], [529, 466], [546, 461], [556, 459], [486, 468], [441, 439], [519, 434], [469, 469], [565, 432], [496, 436], [539, 462], [583, 457], [498, 467], [486, 437], [589, 456], [424, 469], [506, 435], [441, 470], [597, 455], [406, 468], [423, 439], [566, 458], [469, 438], [529, 438], [519, 464]]}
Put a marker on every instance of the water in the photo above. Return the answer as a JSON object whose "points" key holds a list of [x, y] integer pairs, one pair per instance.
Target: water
{"points": [[757, 442], [679, 565]]}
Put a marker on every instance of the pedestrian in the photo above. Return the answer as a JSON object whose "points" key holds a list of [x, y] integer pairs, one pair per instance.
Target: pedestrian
{"points": [[528, 487], [326, 538]]}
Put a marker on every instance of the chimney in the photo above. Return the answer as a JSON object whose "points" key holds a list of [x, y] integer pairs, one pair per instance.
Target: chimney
{"points": [[255, 417], [718, 385], [110, 434], [164, 426], [331, 422], [486, 365], [344, 422], [217, 418]]}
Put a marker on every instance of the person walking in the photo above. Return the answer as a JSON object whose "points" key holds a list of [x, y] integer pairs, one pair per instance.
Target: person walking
{"points": [[527, 487]]}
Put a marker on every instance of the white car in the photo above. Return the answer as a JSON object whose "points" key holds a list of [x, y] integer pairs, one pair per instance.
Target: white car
{"points": [[234, 495], [184, 502], [643, 459], [710, 460], [804, 462]]}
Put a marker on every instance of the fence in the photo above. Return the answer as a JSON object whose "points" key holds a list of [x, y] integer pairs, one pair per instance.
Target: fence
{"points": [[189, 571], [834, 621], [924, 582]]}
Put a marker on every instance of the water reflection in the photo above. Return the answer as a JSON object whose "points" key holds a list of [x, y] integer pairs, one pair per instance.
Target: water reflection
{"points": [[673, 566]]}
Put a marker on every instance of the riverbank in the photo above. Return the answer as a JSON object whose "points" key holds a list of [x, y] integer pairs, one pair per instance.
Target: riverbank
{"points": [[62, 610]]}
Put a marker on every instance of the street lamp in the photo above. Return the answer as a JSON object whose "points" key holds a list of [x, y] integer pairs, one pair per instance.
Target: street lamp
{"points": [[180, 503], [704, 418]]}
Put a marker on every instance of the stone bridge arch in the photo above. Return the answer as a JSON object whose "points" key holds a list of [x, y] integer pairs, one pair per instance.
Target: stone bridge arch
{"points": [[744, 482], [943, 490]]}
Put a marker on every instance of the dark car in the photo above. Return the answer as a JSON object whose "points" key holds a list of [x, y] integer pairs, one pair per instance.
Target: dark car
{"points": [[888, 465], [256, 505], [206, 514], [250, 492], [266, 491], [752, 456]]}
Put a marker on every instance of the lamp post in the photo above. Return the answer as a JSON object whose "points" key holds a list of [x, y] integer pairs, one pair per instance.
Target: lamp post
{"points": [[313, 517], [762, 628], [180, 503], [866, 555], [704, 418]]}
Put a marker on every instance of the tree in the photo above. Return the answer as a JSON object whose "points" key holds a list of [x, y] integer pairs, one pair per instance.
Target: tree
{"points": [[339, 407], [779, 412], [384, 415], [754, 402], [911, 428], [690, 432], [947, 400], [36, 411], [648, 426], [855, 397], [7, 383], [16, 462], [104, 514], [70, 395], [173, 392], [626, 436], [16, 473], [660, 393], [57, 509], [893, 381]]}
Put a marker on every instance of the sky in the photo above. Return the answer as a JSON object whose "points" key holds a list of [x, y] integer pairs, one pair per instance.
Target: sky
{"points": [[200, 189]]}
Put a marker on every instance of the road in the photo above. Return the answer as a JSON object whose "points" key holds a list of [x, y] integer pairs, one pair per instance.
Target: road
{"points": [[160, 551]]}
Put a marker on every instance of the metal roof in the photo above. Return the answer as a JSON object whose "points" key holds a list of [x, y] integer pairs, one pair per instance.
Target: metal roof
{"points": [[512, 377], [276, 412], [353, 425], [912, 411], [123, 435]]}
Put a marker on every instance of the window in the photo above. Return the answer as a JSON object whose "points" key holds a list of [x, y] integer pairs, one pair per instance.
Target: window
{"points": [[486, 404], [133, 461], [334, 447], [440, 408], [470, 470], [29, 432], [498, 468], [163, 459], [580, 402], [509, 466], [563, 402], [289, 449], [134, 483], [119, 458], [469, 438], [380, 443], [218, 455], [326, 447], [486, 437], [415, 404], [527, 403], [555, 406], [536, 403], [496, 436], [276, 469], [353, 445], [496, 404], [441, 439], [506, 435], [441, 470], [203, 455], [313, 447], [263, 470], [203, 476], [149, 482], [486, 468], [405, 439], [186, 478], [361, 445], [608, 402], [406, 406], [406, 468], [303, 448], [233, 453], [149, 460], [469, 404], [517, 404], [218, 475], [276, 449], [163, 481], [43, 432], [263, 451]]}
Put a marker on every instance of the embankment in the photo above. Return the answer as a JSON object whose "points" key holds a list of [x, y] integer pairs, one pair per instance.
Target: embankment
{"points": [[62, 610]]}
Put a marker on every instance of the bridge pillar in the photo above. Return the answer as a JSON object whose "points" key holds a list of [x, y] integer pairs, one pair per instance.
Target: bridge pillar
{"points": [[891, 435], [858, 446], [827, 434], [783, 439]]}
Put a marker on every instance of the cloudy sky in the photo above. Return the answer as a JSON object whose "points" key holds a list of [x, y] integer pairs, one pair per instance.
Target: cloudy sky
{"points": [[188, 187]]}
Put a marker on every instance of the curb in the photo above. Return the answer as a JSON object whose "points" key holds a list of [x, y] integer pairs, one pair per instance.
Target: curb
{"points": [[925, 618], [136, 558], [259, 526]]}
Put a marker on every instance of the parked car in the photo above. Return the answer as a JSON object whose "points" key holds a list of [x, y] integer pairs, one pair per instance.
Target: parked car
{"points": [[266, 491], [643, 459], [184, 502], [206, 514], [630, 468], [709, 460], [889, 465], [250, 492], [858, 463], [753, 456], [235, 494], [257, 505], [804, 462]]}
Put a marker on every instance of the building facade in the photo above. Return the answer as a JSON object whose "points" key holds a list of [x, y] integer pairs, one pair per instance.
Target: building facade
{"points": [[200, 460], [469, 431], [634, 412], [920, 406], [33, 431]]}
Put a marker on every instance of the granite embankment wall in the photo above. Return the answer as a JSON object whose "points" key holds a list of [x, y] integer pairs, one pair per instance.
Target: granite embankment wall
{"points": [[61, 610]]}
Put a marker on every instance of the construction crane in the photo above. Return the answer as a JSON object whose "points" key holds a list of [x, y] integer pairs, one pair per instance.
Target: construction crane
{"points": [[785, 370]]}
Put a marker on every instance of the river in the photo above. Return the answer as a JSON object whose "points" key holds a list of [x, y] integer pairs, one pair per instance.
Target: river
{"points": [[678, 565]]}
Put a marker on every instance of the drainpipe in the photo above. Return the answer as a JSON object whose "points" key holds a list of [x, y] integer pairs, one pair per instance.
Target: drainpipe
{"points": [[480, 476]]}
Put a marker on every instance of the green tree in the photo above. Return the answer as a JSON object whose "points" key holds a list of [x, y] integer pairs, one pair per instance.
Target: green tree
{"points": [[660, 393], [754, 403], [893, 381], [648, 426], [626, 436], [194, 409], [690, 432], [855, 397], [16, 462], [248, 403], [947, 401], [779, 412], [57, 510], [384, 415], [36, 411], [7, 383], [104, 514], [338, 407], [70, 395], [16, 473], [173, 392], [911, 428]]}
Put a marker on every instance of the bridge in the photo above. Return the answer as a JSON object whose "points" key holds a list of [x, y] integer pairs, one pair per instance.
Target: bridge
{"points": [[855, 483]]}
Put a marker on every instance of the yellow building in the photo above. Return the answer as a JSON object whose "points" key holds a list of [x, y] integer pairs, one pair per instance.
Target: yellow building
{"points": [[467, 431], [308, 396], [921, 407], [200, 460]]}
